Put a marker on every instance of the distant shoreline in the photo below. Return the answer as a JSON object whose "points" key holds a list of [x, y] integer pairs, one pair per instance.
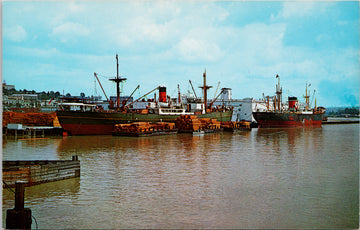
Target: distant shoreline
{"points": [[342, 120]]}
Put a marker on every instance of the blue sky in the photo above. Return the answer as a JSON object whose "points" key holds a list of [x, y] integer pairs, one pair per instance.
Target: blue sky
{"points": [[58, 45]]}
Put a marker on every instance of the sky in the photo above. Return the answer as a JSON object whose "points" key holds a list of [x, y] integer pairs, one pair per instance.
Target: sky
{"points": [[58, 45]]}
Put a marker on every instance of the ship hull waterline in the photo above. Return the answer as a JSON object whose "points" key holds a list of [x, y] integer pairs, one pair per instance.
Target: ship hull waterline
{"points": [[102, 123], [287, 120]]}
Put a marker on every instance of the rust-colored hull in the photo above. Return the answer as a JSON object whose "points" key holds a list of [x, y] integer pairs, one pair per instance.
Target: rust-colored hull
{"points": [[102, 123], [287, 119], [87, 129]]}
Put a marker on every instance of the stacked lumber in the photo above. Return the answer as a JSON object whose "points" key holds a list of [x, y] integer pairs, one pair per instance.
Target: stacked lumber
{"points": [[29, 119], [191, 123], [214, 124], [245, 124], [143, 128], [188, 123], [228, 124], [133, 127], [163, 125], [235, 125]]}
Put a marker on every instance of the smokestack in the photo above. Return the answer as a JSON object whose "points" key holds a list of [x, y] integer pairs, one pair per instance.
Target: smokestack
{"points": [[162, 94]]}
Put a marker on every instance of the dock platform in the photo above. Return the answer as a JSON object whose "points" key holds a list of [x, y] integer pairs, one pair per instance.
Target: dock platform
{"points": [[341, 120], [18, 130], [35, 172]]}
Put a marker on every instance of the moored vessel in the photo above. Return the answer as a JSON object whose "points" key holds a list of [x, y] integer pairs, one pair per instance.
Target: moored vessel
{"points": [[89, 119], [291, 114]]}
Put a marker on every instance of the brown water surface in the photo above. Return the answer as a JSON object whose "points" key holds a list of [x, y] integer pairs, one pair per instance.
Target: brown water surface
{"points": [[266, 178]]}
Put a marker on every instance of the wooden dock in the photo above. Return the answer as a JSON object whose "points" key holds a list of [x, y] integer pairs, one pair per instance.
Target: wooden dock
{"points": [[18, 130], [39, 171]]}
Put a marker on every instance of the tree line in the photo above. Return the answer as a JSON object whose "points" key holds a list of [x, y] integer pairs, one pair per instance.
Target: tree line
{"points": [[41, 95], [342, 111]]}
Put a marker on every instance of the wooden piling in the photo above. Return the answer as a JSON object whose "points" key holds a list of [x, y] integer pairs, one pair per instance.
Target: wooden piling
{"points": [[19, 195], [19, 217]]}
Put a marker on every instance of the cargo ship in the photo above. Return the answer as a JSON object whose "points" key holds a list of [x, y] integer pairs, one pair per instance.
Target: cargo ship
{"points": [[89, 119], [290, 114]]}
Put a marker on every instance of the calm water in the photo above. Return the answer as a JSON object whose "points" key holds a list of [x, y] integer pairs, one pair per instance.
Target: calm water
{"points": [[269, 178]]}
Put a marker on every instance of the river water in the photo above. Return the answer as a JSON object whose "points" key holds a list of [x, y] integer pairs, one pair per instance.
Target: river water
{"points": [[266, 178]]}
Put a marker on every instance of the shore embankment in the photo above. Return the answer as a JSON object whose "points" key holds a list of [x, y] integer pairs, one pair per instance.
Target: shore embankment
{"points": [[341, 120]]}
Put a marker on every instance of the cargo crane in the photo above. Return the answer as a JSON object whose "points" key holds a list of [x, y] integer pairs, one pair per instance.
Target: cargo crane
{"points": [[143, 96], [217, 88], [101, 86], [212, 102], [193, 89], [124, 102]]}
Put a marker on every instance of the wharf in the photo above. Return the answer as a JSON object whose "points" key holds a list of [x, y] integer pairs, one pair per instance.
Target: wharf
{"points": [[341, 120], [39, 171], [18, 130]]}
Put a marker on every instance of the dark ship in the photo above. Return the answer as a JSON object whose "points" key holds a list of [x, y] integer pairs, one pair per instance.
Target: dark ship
{"points": [[290, 115]]}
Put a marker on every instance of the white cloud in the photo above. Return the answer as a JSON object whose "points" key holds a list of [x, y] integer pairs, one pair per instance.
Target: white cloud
{"points": [[15, 33], [297, 9], [163, 24], [172, 38], [37, 52], [301, 9], [68, 31], [75, 7], [189, 49]]}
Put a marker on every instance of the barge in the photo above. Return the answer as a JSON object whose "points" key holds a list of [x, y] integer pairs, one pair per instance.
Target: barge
{"points": [[141, 129]]}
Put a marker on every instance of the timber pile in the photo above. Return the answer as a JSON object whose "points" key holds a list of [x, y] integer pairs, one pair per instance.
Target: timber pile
{"points": [[235, 125], [191, 123], [29, 119], [144, 129]]}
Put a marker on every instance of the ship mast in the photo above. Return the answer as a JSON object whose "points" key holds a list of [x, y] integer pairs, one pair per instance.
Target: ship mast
{"points": [[307, 96], [278, 93], [205, 88], [179, 95], [117, 80]]}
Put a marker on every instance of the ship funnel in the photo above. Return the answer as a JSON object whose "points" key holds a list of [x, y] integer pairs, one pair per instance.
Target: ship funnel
{"points": [[293, 103], [162, 94]]}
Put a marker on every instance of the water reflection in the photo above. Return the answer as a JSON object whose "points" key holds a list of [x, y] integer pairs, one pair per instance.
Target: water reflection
{"points": [[44, 199], [266, 178]]}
